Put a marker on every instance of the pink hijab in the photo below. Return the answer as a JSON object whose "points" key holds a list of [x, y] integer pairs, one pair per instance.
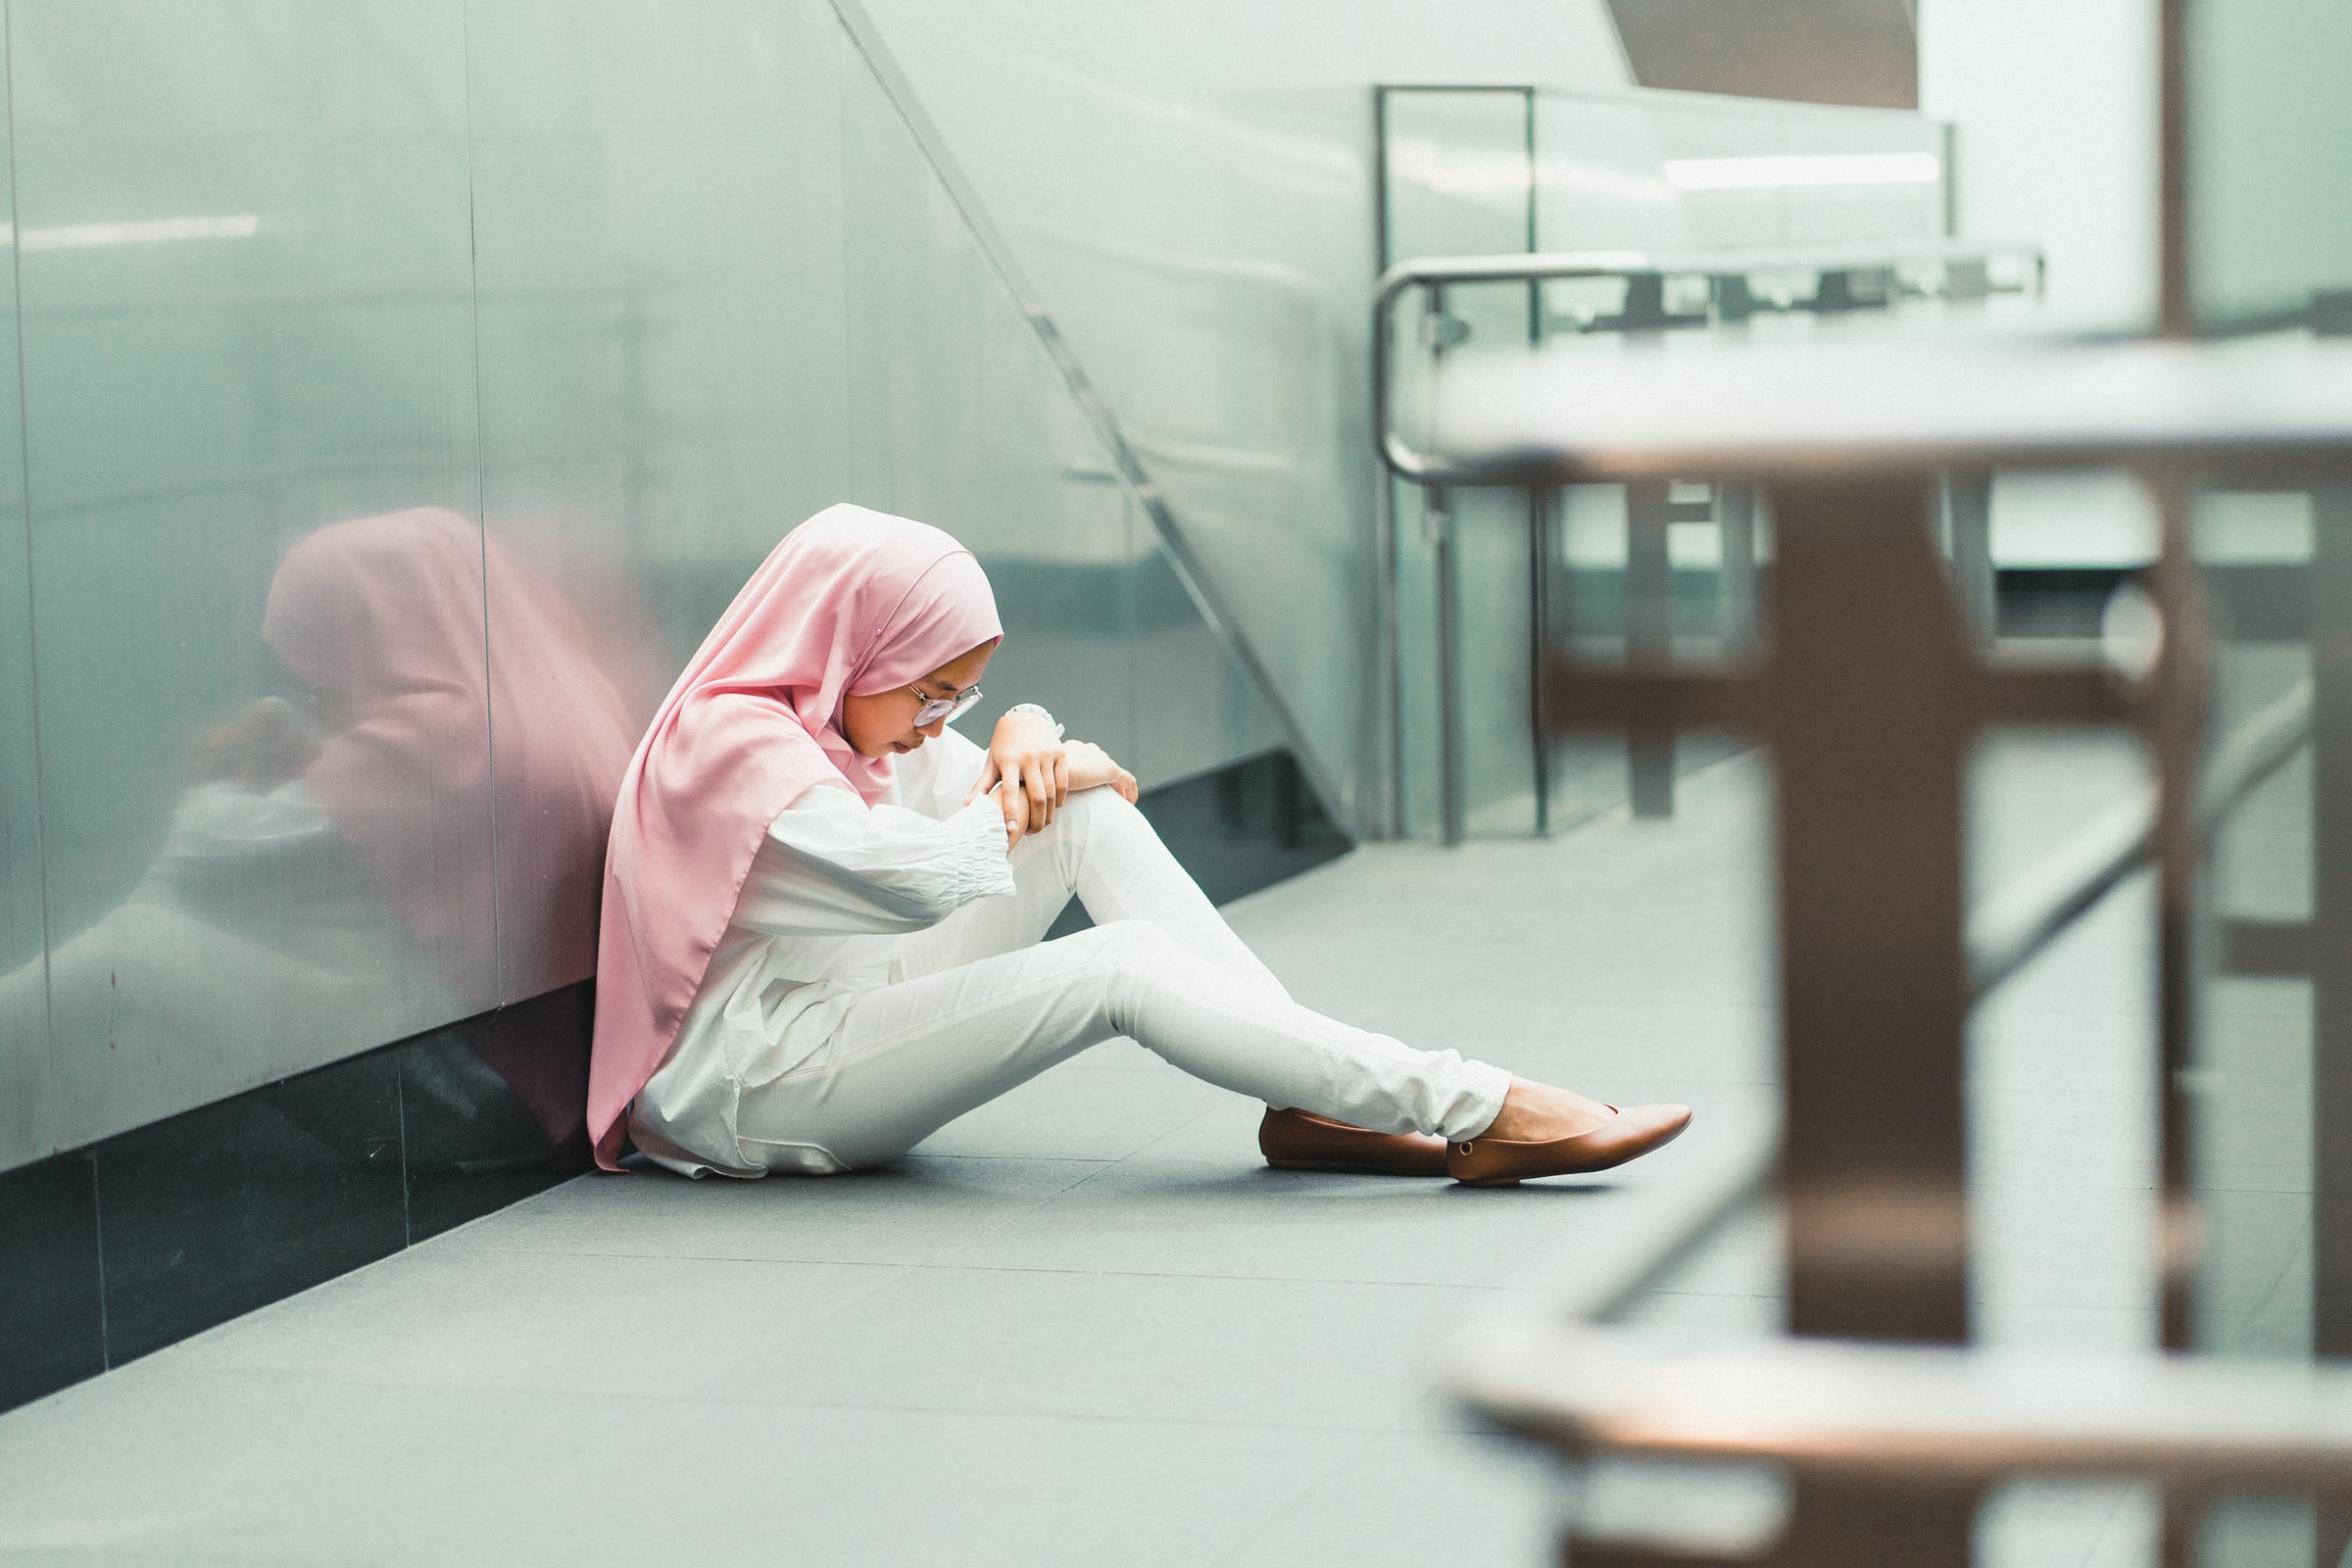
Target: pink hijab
{"points": [[851, 603]]}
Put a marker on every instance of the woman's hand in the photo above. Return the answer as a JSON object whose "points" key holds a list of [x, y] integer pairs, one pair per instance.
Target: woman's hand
{"points": [[1027, 758], [1086, 766], [1016, 813], [1090, 768], [257, 748]]}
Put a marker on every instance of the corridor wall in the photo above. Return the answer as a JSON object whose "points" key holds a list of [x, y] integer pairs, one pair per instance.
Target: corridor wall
{"points": [[2273, 152], [406, 387], [1189, 186]]}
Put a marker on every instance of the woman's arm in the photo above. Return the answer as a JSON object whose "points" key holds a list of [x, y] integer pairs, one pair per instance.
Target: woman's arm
{"points": [[832, 865], [1033, 771], [1026, 756], [942, 776]]}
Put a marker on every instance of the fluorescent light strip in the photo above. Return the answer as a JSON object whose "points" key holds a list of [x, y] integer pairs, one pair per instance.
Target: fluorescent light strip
{"points": [[152, 231], [1782, 170]]}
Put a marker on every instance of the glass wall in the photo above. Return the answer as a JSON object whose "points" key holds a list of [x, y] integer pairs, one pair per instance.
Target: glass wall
{"points": [[1485, 171], [2271, 139], [1188, 186], [407, 388], [24, 1002]]}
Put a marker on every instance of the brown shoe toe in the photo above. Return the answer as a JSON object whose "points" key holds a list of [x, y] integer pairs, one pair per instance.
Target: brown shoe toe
{"points": [[1629, 1135], [1298, 1139]]}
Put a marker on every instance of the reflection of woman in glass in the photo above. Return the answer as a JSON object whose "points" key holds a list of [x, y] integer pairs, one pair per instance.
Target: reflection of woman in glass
{"points": [[327, 880], [470, 778], [823, 913]]}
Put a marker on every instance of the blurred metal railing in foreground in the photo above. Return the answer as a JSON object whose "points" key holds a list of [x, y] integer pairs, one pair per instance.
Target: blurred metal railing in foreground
{"points": [[1869, 689], [1842, 278]]}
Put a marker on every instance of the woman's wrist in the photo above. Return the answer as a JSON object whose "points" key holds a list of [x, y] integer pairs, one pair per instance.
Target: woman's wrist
{"points": [[1033, 710]]}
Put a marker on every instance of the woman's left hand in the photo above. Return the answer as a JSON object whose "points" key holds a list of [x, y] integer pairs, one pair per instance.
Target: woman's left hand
{"points": [[1026, 755]]}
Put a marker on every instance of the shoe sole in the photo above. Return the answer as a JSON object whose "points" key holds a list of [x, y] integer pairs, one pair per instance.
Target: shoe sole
{"points": [[1335, 1168]]}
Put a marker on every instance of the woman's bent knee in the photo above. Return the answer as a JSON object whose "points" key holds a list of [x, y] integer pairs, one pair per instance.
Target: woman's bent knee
{"points": [[1090, 813], [1129, 942]]}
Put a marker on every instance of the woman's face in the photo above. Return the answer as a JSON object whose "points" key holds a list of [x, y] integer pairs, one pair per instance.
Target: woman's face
{"points": [[882, 724]]}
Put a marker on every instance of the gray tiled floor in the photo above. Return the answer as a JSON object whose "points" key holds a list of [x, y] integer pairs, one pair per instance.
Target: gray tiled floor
{"points": [[1085, 1325]]}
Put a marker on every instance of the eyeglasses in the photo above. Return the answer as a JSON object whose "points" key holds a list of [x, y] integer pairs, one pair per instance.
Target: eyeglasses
{"points": [[936, 709]]}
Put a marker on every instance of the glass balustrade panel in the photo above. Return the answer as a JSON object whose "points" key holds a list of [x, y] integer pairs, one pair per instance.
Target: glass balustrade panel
{"points": [[26, 1131], [247, 324], [660, 260]]}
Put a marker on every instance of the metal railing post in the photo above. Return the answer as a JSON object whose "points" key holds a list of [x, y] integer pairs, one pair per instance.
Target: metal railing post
{"points": [[1437, 519], [1736, 568], [2175, 728], [1649, 638], [1543, 505], [1874, 706], [1968, 512], [1650, 607]]}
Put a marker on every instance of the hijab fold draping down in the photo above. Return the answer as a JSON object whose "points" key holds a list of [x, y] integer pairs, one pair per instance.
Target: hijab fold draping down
{"points": [[851, 602]]}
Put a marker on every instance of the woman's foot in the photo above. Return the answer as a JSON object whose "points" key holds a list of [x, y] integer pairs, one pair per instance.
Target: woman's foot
{"points": [[1537, 1114], [1599, 1137]]}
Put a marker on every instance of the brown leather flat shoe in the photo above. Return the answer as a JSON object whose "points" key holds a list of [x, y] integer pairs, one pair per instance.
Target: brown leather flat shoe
{"points": [[1629, 1135], [1298, 1139]]}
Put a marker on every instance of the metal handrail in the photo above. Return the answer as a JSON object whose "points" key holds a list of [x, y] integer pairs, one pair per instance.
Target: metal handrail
{"points": [[1435, 273], [1917, 1414], [2070, 881], [1438, 272], [1948, 1421]]}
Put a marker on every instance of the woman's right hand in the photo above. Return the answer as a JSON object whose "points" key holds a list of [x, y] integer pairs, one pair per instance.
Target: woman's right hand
{"points": [[1089, 767]]}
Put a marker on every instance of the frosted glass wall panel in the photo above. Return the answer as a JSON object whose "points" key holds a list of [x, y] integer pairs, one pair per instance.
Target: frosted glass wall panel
{"points": [[1458, 171], [1188, 185], [962, 418], [1600, 177], [247, 329], [1236, 370], [2271, 130], [24, 993], [659, 248], [1835, 146], [1459, 184], [1687, 136], [1671, 171], [1491, 531]]}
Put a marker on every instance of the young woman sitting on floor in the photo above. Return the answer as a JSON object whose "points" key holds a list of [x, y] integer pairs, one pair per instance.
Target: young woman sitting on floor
{"points": [[824, 912]]}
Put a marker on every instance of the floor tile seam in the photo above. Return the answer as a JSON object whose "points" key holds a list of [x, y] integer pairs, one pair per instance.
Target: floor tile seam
{"points": [[170, 1558], [1004, 1412], [1021, 1160], [330, 1384], [1181, 1274], [683, 1257], [882, 1277], [1182, 1127], [1279, 1513], [2054, 1188], [2271, 1291], [1027, 1209], [584, 1251]]}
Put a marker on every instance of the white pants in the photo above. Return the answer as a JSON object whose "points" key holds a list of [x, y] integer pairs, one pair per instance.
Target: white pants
{"points": [[989, 1005]]}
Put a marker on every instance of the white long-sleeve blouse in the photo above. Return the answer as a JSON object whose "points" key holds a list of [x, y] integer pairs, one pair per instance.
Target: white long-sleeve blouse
{"points": [[834, 888]]}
